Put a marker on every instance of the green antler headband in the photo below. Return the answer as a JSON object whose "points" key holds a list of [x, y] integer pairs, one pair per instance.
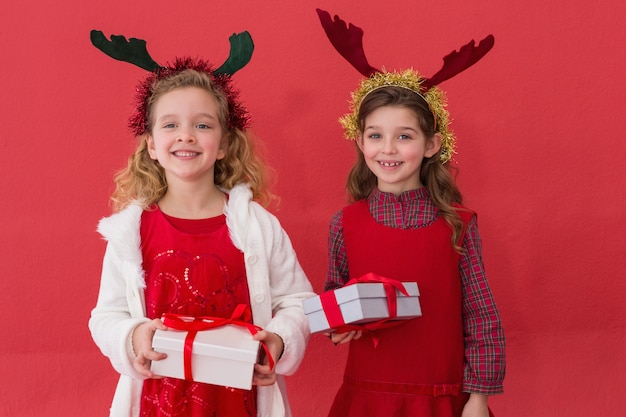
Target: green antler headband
{"points": [[135, 51]]}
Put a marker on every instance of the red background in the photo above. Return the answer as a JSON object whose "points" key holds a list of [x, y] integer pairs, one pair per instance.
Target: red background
{"points": [[540, 126]]}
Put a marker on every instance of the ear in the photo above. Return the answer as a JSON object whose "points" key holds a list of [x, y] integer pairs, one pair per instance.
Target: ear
{"points": [[359, 141], [151, 147], [433, 145], [221, 152]]}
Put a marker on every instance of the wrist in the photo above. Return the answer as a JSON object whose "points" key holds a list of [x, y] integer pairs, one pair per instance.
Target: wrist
{"points": [[478, 399], [282, 344], [130, 344]]}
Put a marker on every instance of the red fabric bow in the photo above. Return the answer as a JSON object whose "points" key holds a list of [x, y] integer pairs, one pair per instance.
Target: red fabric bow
{"points": [[192, 325]]}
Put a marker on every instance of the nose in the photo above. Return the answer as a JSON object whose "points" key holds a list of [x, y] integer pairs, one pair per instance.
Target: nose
{"points": [[186, 134], [388, 145]]}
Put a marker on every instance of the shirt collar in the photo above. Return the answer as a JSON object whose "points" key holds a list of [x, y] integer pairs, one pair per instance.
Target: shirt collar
{"points": [[410, 195]]}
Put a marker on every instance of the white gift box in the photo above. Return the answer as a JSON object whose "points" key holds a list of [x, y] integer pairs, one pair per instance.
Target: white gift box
{"points": [[221, 356], [363, 303]]}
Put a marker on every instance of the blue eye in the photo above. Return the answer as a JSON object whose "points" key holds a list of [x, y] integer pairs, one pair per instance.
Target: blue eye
{"points": [[203, 126], [374, 136], [404, 137], [169, 125]]}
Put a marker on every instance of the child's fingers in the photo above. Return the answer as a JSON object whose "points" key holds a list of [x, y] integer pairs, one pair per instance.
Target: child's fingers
{"points": [[273, 342], [342, 338], [337, 338], [349, 336], [153, 355], [143, 360], [263, 375], [142, 365], [143, 334]]}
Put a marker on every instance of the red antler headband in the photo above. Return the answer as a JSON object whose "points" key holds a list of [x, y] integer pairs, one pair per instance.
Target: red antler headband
{"points": [[348, 41], [134, 51]]}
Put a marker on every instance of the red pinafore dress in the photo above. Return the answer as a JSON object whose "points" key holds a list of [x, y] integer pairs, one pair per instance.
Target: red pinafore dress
{"points": [[415, 369], [192, 268]]}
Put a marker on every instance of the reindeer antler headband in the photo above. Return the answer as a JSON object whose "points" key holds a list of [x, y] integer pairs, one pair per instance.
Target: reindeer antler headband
{"points": [[134, 51], [348, 41]]}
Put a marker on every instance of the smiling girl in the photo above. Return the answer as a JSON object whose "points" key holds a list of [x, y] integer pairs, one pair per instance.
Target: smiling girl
{"points": [[189, 237], [406, 222]]}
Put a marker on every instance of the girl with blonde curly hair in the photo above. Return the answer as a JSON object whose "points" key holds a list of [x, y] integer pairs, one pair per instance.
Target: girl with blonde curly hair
{"points": [[190, 235]]}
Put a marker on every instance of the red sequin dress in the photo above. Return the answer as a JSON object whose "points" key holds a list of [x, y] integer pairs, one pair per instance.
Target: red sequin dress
{"points": [[192, 268]]}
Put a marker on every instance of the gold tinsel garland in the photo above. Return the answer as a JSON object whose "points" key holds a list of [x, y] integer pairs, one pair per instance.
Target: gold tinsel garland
{"points": [[410, 80]]}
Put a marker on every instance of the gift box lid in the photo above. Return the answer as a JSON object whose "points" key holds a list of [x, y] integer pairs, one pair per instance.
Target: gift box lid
{"points": [[359, 291], [227, 342], [371, 290]]}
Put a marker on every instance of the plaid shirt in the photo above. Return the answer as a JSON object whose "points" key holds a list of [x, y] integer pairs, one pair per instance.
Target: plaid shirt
{"points": [[484, 337]]}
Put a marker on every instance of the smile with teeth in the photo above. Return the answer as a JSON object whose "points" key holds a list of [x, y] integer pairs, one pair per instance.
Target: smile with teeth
{"points": [[389, 164], [185, 153]]}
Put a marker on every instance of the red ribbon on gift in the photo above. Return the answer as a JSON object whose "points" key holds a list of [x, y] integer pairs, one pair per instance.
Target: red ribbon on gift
{"points": [[333, 311], [192, 325]]}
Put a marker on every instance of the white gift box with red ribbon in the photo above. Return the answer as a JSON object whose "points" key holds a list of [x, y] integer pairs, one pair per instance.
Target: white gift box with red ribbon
{"points": [[222, 356], [208, 349], [361, 303]]}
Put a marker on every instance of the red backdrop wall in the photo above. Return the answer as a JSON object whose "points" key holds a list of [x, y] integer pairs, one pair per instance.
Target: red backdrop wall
{"points": [[540, 151]]}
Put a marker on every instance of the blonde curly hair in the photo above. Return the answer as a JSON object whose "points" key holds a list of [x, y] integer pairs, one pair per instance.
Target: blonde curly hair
{"points": [[143, 180]]}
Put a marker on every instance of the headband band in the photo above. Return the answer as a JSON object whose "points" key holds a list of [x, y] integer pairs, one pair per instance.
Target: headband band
{"points": [[413, 91], [238, 117]]}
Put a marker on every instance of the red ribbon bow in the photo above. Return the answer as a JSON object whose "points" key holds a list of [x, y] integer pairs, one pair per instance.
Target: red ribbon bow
{"points": [[241, 317], [333, 312]]}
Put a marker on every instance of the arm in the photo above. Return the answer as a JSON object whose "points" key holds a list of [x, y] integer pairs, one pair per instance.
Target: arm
{"points": [[337, 272], [276, 281], [111, 322], [484, 335], [288, 286]]}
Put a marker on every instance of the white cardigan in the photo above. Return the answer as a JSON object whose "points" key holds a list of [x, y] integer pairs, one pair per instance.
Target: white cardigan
{"points": [[276, 282]]}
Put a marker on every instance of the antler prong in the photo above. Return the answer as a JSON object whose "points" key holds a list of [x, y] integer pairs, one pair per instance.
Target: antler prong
{"points": [[455, 62], [133, 51], [347, 40], [241, 47]]}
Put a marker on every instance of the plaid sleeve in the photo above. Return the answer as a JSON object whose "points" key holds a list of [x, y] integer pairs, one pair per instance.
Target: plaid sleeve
{"points": [[485, 364], [337, 271]]}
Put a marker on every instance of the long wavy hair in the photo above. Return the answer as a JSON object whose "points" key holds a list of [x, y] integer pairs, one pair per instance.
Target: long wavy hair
{"points": [[436, 177], [143, 179]]}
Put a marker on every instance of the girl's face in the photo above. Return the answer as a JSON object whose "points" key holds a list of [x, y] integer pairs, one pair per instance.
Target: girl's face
{"points": [[394, 146], [186, 137]]}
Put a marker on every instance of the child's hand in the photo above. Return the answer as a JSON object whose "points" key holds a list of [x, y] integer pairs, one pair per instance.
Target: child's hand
{"points": [[142, 346], [263, 374], [476, 406], [341, 338]]}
